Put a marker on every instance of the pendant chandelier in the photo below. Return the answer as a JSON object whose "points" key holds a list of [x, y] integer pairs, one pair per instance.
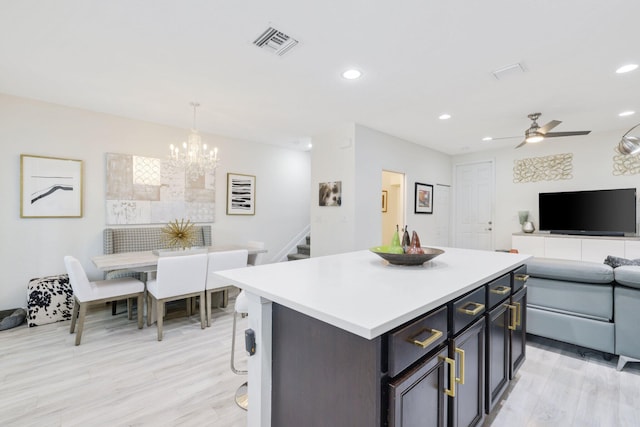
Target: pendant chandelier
{"points": [[193, 156]]}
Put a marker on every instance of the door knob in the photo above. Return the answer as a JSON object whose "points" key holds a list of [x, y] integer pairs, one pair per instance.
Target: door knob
{"points": [[488, 229]]}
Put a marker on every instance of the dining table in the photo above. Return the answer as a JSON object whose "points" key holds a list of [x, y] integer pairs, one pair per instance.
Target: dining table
{"points": [[146, 261]]}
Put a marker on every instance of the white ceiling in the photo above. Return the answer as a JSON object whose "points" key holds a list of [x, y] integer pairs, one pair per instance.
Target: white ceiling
{"points": [[148, 59]]}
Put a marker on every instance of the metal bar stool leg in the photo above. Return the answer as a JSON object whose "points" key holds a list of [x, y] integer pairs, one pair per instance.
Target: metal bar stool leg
{"points": [[242, 393]]}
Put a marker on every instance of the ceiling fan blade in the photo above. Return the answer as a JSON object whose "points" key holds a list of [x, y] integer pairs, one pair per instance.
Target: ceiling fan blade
{"points": [[521, 144], [506, 137], [558, 134], [546, 128]]}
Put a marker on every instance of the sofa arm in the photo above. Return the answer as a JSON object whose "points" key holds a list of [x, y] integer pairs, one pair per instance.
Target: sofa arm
{"points": [[628, 275]]}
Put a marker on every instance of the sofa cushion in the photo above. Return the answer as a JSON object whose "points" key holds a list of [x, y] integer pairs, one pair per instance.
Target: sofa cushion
{"points": [[628, 275], [579, 299], [574, 271]]}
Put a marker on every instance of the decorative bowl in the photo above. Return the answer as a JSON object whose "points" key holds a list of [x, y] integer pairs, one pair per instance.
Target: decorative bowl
{"points": [[406, 259]]}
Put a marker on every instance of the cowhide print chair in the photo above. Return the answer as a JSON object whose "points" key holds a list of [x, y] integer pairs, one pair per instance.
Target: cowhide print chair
{"points": [[86, 293]]}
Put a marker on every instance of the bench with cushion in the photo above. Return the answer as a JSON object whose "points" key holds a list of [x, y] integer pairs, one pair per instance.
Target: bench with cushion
{"points": [[135, 239]]}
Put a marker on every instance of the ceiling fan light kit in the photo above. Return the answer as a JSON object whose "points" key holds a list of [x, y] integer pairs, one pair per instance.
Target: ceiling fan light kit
{"points": [[537, 133]]}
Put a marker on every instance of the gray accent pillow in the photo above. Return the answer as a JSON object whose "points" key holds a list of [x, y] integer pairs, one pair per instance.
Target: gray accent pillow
{"points": [[616, 262], [13, 318]]}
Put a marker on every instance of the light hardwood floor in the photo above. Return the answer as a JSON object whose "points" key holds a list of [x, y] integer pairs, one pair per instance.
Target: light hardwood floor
{"points": [[122, 376]]}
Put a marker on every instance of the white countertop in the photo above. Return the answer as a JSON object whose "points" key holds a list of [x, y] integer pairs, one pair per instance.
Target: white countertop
{"points": [[363, 294]]}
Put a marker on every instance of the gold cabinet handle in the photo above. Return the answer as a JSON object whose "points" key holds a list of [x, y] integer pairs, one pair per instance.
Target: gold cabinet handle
{"points": [[451, 391], [435, 335], [460, 380], [501, 290], [472, 312], [521, 277], [519, 313], [514, 313]]}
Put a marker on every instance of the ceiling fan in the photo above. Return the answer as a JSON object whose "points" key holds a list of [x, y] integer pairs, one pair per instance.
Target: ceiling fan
{"points": [[537, 133]]}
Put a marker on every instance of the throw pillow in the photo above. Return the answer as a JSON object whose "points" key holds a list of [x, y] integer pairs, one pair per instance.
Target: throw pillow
{"points": [[12, 318], [615, 261]]}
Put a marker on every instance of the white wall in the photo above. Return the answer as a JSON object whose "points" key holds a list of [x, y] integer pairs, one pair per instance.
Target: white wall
{"points": [[34, 247], [332, 159], [592, 170], [357, 155]]}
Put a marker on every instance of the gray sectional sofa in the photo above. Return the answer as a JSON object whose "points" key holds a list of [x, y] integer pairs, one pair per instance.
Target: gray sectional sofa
{"points": [[588, 304]]}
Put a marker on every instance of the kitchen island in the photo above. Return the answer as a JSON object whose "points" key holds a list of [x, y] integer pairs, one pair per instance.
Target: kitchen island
{"points": [[320, 322]]}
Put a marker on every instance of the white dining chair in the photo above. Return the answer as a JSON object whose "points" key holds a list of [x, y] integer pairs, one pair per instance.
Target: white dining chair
{"points": [[255, 259], [218, 261], [86, 293], [177, 277]]}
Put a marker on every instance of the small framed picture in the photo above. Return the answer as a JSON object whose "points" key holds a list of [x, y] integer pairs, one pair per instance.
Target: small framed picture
{"points": [[424, 198], [384, 200], [330, 193], [50, 187], [241, 194]]}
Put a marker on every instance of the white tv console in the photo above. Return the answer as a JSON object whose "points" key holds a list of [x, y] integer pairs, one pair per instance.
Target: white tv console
{"points": [[581, 248]]}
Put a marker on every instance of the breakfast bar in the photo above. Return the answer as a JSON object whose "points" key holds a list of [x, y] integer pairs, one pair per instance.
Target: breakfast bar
{"points": [[329, 332]]}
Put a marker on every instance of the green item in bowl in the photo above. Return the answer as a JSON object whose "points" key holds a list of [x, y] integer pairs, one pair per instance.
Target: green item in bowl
{"points": [[388, 249]]}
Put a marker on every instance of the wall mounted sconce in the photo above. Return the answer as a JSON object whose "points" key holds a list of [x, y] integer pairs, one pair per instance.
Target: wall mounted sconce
{"points": [[629, 144]]}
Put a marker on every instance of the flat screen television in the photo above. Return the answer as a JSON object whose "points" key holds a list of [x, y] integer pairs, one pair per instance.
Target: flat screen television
{"points": [[593, 213]]}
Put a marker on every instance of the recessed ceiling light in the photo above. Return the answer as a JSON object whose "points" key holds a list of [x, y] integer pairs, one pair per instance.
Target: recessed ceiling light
{"points": [[445, 116], [352, 74], [487, 138], [626, 68], [627, 113]]}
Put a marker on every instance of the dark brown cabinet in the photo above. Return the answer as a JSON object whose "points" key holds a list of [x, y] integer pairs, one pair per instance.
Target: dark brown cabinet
{"points": [[518, 332], [445, 368], [497, 365], [506, 333], [467, 350], [417, 398]]}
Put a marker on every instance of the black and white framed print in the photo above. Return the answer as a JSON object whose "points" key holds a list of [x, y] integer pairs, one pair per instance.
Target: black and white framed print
{"points": [[241, 194], [50, 187]]}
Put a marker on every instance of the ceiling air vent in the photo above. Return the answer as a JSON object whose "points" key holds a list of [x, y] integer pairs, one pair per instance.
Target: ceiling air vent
{"points": [[275, 41]]}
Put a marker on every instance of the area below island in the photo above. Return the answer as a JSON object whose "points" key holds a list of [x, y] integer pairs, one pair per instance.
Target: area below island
{"points": [[351, 340]]}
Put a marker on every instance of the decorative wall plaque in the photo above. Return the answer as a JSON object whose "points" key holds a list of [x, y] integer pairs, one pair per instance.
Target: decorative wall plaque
{"points": [[146, 190], [549, 168], [625, 164]]}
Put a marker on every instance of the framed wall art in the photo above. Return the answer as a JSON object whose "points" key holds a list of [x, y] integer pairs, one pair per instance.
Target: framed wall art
{"points": [[241, 194], [50, 187], [424, 198], [330, 193], [384, 200], [148, 190]]}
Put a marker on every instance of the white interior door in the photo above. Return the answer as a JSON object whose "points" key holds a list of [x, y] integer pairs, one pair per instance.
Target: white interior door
{"points": [[474, 207]]}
